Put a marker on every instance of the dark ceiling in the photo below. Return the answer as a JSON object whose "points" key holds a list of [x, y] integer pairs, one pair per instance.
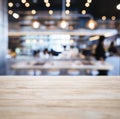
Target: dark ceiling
{"points": [[97, 9]]}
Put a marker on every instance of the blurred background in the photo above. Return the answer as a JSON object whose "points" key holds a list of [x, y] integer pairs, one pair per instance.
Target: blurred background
{"points": [[60, 37]]}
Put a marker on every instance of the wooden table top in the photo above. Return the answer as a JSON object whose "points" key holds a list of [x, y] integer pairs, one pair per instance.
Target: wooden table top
{"points": [[59, 97]]}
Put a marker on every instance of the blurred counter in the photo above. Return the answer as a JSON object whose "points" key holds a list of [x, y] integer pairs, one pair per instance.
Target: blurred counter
{"points": [[93, 65]]}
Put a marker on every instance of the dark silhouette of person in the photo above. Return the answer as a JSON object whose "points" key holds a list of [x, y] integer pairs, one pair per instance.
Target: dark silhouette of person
{"points": [[100, 51], [112, 49], [100, 54]]}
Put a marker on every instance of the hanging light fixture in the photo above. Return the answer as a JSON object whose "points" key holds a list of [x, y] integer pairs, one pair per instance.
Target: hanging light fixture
{"points": [[50, 12], [103, 18], [10, 4], [23, 1], [16, 15], [33, 11], [36, 24], [67, 11], [91, 24], [63, 24], [118, 6]]}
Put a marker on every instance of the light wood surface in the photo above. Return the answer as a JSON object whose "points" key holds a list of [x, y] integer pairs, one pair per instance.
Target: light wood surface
{"points": [[59, 97]]}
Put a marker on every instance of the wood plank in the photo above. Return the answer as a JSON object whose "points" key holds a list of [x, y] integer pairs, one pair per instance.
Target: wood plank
{"points": [[59, 97]]}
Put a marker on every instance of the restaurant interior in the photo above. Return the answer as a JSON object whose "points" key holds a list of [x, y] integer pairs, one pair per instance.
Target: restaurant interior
{"points": [[59, 37], [59, 59]]}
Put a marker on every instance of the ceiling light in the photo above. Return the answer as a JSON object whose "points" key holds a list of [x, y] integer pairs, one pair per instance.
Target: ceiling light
{"points": [[36, 24], [113, 17], [67, 4], [89, 1], [10, 4], [67, 11], [27, 4], [23, 1], [10, 12], [91, 24], [87, 4], [63, 24], [47, 4], [103, 18], [15, 15], [68, 1], [50, 12], [118, 6], [46, 1], [33, 11], [83, 11]]}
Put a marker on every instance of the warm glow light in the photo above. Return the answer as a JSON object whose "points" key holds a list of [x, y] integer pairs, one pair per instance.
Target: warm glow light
{"points": [[10, 4], [46, 1], [89, 1], [113, 17], [91, 24], [118, 6], [94, 38], [67, 4], [10, 12], [71, 41], [27, 4], [36, 24], [63, 24], [50, 12], [47, 4], [15, 15], [23, 1], [33, 11], [67, 11], [87, 4], [68, 1], [108, 34], [83, 11], [103, 18]]}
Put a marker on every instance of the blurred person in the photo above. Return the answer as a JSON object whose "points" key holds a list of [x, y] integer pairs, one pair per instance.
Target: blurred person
{"points": [[46, 53], [100, 51], [74, 52], [100, 54], [112, 49], [13, 54], [81, 55], [36, 53], [54, 53]]}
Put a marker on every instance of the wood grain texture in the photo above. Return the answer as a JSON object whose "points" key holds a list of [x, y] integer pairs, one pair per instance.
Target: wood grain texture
{"points": [[59, 97]]}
